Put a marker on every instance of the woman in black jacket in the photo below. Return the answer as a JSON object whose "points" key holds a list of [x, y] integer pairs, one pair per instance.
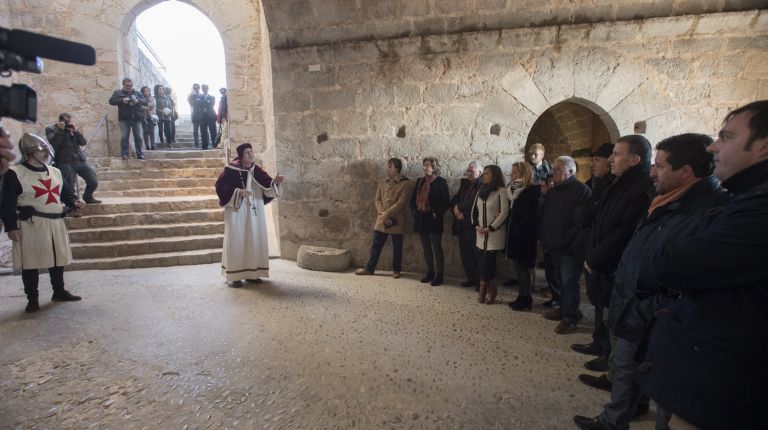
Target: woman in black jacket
{"points": [[429, 201], [521, 234]]}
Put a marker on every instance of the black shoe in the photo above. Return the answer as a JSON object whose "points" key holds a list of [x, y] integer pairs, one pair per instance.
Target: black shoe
{"points": [[586, 423], [140, 157], [587, 348], [32, 306], [467, 284], [551, 303], [510, 283], [254, 281], [641, 410], [92, 201], [64, 296], [522, 303], [428, 278], [600, 382], [599, 364], [438, 280], [125, 157]]}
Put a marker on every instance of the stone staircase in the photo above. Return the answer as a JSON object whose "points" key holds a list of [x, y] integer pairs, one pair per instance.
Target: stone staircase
{"points": [[162, 211]]}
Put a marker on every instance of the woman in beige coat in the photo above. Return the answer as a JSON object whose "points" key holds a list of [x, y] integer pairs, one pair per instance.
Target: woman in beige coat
{"points": [[489, 216]]}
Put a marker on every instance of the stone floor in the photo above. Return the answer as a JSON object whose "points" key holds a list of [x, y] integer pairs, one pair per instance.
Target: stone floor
{"points": [[174, 348]]}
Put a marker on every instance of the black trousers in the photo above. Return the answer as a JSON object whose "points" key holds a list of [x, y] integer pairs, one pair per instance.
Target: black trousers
{"points": [[31, 277], [487, 265], [468, 252]]}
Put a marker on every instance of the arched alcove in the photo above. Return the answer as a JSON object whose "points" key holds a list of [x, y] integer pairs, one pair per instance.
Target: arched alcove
{"points": [[573, 127]]}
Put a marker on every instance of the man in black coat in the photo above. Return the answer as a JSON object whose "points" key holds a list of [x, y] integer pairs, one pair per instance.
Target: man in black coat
{"points": [[197, 105], [557, 234], [686, 191], [601, 179], [461, 206], [706, 355], [618, 213]]}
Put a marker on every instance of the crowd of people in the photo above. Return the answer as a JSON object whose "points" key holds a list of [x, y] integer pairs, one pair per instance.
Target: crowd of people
{"points": [[672, 253], [151, 112]]}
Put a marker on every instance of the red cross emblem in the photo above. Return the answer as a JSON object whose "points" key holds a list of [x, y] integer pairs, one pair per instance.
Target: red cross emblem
{"points": [[52, 193]]}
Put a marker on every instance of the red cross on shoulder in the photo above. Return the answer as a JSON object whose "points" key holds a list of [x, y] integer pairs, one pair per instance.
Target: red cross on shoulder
{"points": [[52, 193]]}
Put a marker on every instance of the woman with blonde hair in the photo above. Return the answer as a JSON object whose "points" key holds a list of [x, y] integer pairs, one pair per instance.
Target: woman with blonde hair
{"points": [[521, 237]]}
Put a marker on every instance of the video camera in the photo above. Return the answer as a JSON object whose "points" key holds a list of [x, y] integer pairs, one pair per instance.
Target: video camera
{"points": [[19, 52]]}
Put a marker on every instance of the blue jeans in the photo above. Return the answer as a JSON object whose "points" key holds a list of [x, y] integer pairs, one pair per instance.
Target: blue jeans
{"points": [[567, 270], [379, 239], [625, 394], [69, 174], [126, 127]]}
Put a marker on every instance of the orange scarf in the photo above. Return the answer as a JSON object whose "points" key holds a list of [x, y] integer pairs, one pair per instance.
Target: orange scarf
{"points": [[676, 194]]}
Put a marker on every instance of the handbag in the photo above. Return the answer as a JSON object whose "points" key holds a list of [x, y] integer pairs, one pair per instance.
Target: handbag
{"points": [[217, 141]]}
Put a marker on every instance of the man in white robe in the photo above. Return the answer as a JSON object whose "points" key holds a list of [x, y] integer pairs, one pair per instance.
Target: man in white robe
{"points": [[243, 189]]}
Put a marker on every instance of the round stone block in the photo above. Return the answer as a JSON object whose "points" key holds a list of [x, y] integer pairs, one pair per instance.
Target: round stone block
{"points": [[323, 259]]}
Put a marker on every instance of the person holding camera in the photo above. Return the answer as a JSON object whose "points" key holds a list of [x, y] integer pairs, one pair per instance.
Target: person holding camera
{"points": [[391, 199], [68, 142], [129, 104]]}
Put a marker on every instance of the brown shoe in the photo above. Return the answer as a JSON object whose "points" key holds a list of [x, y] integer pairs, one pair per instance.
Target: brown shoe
{"points": [[565, 327], [396, 275], [363, 271], [491, 293], [552, 315], [481, 295]]}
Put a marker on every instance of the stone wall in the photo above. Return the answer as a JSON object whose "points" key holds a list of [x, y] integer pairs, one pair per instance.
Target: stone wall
{"points": [[338, 108], [149, 74]]}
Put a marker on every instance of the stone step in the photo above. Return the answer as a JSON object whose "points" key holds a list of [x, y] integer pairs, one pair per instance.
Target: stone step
{"points": [[148, 184], [166, 259], [128, 248], [144, 219], [158, 192], [156, 164], [150, 204], [122, 175], [124, 233]]}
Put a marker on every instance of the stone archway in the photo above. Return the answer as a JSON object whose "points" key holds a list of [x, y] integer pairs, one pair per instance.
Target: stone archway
{"points": [[573, 127]]}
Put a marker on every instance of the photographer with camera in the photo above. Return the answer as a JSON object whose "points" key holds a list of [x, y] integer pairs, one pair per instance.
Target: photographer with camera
{"points": [[129, 104], [68, 143]]}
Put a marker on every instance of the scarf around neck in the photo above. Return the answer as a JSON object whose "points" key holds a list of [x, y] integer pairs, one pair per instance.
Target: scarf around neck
{"points": [[422, 197]]}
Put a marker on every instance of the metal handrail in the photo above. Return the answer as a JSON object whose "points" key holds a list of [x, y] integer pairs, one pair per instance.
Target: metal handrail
{"points": [[102, 121], [151, 51]]}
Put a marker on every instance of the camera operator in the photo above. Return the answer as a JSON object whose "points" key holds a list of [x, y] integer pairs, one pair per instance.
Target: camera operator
{"points": [[68, 142], [6, 151], [129, 104]]}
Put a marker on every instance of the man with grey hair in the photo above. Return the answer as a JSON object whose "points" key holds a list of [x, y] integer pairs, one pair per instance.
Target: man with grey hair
{"points": [[461, 206], [557, 234]]}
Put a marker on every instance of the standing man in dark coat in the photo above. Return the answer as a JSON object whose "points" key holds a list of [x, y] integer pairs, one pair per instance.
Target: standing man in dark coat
{"points": [[557, 234], [706, 356], [686, 191], [601, 180], [618, 213], [129, 103], [197, 104], [209, 118], [461, 206]]}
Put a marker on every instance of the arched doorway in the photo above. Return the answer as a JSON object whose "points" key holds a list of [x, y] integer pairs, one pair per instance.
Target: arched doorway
{"points": [[573, 127]]}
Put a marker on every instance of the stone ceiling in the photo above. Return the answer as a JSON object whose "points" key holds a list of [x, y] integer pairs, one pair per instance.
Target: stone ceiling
{"points": [[296, 23]]}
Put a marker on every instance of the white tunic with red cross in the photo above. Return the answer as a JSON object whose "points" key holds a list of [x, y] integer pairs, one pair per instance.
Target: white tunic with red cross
{"points": [[44, 241]]}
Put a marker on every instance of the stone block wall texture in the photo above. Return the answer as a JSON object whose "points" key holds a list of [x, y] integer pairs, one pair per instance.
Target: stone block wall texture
{"points": [[678, 74], [149, 74]]}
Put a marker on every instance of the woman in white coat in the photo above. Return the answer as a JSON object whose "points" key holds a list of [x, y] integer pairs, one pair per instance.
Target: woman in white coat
{"points": [[489, 216]]}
